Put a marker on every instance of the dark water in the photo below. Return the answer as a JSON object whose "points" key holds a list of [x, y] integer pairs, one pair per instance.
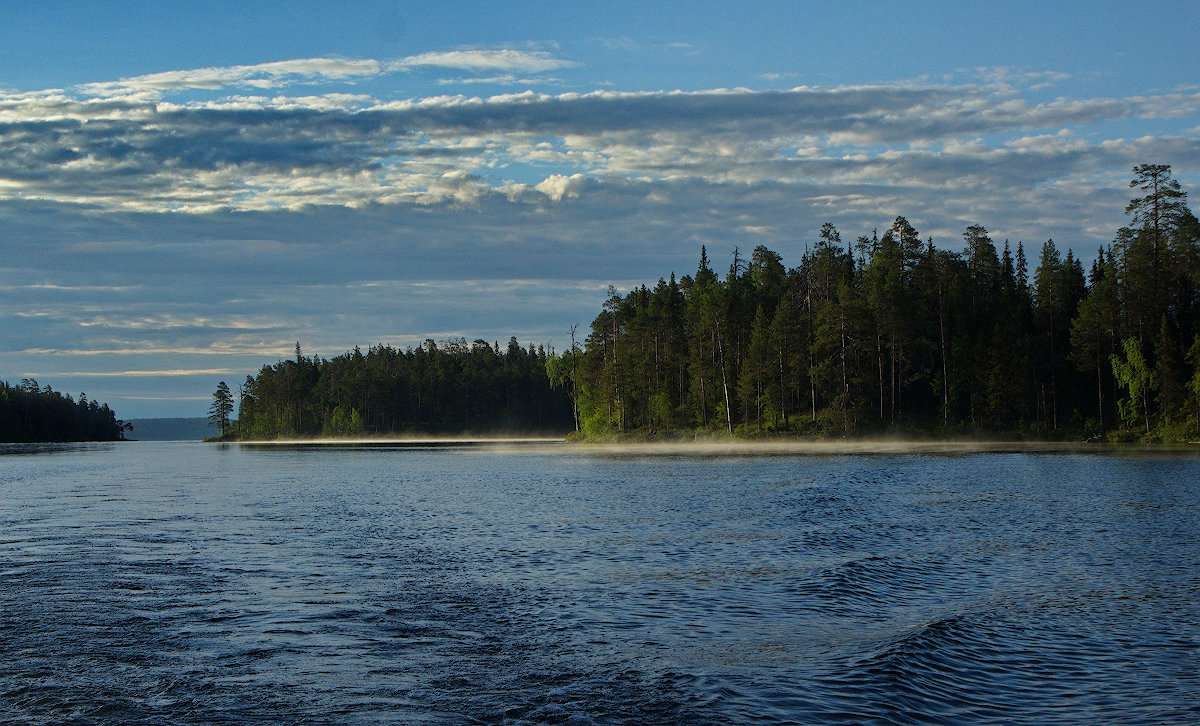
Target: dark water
{"points": [[150, 583]]}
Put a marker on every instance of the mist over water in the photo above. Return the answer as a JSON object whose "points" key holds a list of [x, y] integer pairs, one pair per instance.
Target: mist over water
{"points": [[184, 583]]}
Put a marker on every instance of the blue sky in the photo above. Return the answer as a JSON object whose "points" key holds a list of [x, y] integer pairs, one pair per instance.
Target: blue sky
{"points": [[185, 192]]}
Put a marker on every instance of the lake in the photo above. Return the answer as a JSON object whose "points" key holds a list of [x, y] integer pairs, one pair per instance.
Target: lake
{"points": [[184, 583]]}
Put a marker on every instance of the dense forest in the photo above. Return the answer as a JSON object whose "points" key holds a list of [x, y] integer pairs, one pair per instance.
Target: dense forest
{"points": [[888, 334], [454, 387], [32, 413], [891, 334]]}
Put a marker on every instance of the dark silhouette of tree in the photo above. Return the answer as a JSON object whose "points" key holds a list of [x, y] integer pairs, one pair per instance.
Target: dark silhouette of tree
{"points": [[450, 388], [31, 413], [1163, 207], [221, 410]]}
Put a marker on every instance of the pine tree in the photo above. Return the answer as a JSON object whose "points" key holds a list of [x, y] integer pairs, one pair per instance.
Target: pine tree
{"points": [[1161, 210], [222, 407]]}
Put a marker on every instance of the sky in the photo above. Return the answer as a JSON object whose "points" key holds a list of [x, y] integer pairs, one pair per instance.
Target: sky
{"points": [[187, 190]]}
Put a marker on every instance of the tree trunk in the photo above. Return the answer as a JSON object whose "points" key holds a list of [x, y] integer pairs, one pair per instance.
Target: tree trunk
{"points": [[945, 377], [724, 380]]}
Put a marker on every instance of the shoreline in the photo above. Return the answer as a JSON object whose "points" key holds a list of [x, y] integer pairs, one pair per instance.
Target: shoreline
{"points": [[733, 447]]}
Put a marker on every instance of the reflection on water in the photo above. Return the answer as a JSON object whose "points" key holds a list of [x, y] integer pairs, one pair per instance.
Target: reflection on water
{"points": [[53, 448], [184, 583]]}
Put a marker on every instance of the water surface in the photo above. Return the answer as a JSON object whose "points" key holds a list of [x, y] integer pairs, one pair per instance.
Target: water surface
{"points": [[187, 584]]}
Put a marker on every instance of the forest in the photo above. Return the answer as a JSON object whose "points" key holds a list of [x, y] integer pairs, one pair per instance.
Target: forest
{"points": [[888, 334], [452, 387], [892, 335], [32, 413]]}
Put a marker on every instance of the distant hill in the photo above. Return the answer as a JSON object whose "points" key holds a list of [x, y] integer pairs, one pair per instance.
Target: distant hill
{"points": [[170, 429]]}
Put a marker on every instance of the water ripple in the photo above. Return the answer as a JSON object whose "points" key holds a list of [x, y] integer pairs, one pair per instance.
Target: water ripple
{"points": [[161, 584]]}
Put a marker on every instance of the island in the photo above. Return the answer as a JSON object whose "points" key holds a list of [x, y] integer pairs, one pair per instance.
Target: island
{"points": [[886, 335]]}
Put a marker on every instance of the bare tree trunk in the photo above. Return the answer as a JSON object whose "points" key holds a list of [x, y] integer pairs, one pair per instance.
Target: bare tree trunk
{"points": [[892, 376], [879, 360], [945, 381], [782, 389], [724, 379]]}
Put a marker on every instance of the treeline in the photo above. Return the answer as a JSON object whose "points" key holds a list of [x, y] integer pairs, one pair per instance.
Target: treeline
{"points": [[452, 387], [32, 413], [892, 334]]}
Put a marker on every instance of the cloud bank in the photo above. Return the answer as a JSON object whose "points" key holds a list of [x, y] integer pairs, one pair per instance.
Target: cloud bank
{"points": [[112, 147]]}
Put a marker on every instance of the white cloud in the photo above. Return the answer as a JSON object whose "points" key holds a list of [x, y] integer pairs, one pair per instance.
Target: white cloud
{"points": [[507, 79], [261, 75], [279, 74], [162, 397], [557, 186], [1006, 76], [221, 348], [492, 61], [170, 373]]}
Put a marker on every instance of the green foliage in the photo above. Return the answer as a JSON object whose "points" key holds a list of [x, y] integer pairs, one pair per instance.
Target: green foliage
{"points": [[1193, 385], [342, 424], [1135, 376], [905, 337]]}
